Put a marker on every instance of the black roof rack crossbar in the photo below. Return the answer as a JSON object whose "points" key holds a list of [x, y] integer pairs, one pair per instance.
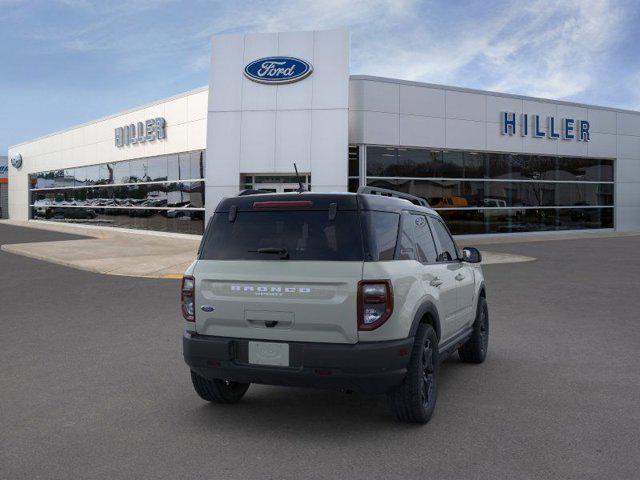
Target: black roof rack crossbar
{"points": [[392, 193]]}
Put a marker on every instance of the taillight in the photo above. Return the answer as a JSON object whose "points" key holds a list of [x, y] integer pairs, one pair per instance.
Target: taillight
{"points": [[375, 303], [283, 204], [187, 298]]}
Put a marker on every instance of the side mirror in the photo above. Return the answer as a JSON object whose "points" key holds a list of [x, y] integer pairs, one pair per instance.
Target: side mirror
{"points": [[471, 255]]}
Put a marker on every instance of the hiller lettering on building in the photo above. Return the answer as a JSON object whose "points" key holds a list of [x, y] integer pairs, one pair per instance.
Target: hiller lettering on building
{"points": [[525, 124], [147, 131]]}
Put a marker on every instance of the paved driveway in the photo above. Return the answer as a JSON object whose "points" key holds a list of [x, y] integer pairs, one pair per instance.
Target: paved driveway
{"points": [[92, 384]]}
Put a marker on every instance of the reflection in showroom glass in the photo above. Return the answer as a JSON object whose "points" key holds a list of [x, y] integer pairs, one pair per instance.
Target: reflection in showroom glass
{"points": [[132, 194]]}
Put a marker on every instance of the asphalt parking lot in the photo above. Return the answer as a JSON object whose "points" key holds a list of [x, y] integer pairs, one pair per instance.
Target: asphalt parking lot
{"points": [[93, 385]]}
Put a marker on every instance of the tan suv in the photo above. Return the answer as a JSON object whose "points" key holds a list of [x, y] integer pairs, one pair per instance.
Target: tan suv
{"points": [[364, 292]]}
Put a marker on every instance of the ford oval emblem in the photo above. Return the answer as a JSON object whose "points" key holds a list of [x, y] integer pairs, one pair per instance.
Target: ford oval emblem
{"points": [[207, 308], [278, 70], [16, 160]]}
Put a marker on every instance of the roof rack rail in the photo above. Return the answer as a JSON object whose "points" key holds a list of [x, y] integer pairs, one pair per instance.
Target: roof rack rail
{"points": [[392, 193]]}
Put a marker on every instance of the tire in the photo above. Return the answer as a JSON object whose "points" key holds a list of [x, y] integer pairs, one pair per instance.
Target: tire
{"points": [[218, 391], [415, 400], [475, 349]]}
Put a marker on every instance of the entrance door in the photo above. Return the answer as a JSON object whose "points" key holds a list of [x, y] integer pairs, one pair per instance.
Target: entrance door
{"points": [[276, 183], [278, 187]]}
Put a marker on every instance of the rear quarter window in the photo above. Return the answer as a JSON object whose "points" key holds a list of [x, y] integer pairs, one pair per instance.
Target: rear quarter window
{"points": [[381, 232]]}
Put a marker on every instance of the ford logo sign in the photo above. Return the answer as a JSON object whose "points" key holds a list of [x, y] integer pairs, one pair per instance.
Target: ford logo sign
{"points": [[277, 70], [16, 160]]}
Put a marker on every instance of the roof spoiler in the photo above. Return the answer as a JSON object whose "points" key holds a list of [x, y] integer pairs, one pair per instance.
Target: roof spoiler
{"points": [[392, 193], [252, 191]]}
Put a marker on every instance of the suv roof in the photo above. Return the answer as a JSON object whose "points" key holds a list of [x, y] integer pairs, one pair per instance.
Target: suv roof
{"points": [[321, 201]]}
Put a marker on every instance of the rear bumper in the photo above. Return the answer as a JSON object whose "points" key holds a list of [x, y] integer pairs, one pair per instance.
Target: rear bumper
{"points": [[374, 367]]}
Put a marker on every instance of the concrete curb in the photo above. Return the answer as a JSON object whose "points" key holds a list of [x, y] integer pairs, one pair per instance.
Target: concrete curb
{"points": [[16, 250]]}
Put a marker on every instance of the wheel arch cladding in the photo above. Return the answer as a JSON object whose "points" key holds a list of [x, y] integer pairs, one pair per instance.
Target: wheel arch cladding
{"points": [[427, 313], [482, 292]]}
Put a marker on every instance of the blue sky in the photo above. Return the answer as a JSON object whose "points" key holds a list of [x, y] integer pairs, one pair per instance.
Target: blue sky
{"points": [[70, 61]]}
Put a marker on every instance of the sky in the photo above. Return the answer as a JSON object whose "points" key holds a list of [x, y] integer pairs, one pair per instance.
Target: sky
{"points": [[66, 62]]}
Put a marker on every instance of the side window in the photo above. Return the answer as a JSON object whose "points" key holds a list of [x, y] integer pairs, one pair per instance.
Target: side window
{"points": [[406, 250], [447, 250], [425, 247], [383, 233]]}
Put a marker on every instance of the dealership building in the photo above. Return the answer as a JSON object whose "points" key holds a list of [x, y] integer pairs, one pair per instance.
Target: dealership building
{"points": [[488, 162]]}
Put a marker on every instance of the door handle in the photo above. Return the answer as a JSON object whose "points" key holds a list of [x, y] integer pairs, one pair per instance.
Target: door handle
{"points": [[459, 277], [436, 282]]}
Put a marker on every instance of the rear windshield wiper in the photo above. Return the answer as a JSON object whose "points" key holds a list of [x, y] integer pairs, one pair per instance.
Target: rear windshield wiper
{"points": [[283, 252]]}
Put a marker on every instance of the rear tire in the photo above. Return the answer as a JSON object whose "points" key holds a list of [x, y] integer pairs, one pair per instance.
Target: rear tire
{"points": [[218, 391], [415, 400], [475, 349]]}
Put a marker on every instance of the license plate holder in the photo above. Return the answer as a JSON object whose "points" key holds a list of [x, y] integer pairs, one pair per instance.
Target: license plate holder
{"points": [[275, 354]]}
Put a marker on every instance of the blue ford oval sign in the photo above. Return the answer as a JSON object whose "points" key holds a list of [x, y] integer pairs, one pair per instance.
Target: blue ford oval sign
{"points": [[278, 70]]}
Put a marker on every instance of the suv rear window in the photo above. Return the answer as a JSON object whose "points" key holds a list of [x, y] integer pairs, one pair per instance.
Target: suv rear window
{"points": [[302, 234]]}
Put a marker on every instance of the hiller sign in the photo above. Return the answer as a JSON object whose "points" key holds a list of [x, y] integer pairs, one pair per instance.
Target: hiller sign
{"points": [[147, 131], [525, 124]]}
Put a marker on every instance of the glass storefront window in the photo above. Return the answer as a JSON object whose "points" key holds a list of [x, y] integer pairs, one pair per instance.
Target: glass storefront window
{"points": [[499, 192], [132, 193], [121, 172], [354, 161], [158, 169], [138, 171]]}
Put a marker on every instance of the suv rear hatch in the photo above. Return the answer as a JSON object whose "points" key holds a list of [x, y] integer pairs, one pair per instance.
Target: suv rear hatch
{"points": [[284, 269]]}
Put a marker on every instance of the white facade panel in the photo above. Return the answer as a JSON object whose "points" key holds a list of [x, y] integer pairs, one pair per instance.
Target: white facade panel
{"points": [[298, 95], [496, 105], [223, 162], [572, 148], [570, 111], [602, 145], [227, 73], [628, 124], [258, 142], [176, 112], [293, 140], [356, 95], [543, 109], [329, 141], [465, 134], [465, 106], [196, 135], [628, 219], [496, 142], [257, 96], [381, 97], [196, 108], [602, 121], [628, 194], [154, 148], [425, 101], [543, 146], [628, 170], [381, 128], [419, 131], [356, 126], [330, 76], [628, 146]]}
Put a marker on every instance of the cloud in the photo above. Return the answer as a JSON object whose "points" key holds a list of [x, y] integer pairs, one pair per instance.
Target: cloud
{"points": [[546, 49], [540, 48]]}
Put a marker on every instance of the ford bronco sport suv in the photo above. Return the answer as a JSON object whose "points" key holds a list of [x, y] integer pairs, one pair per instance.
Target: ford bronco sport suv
{"points": [[360, 292]]}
